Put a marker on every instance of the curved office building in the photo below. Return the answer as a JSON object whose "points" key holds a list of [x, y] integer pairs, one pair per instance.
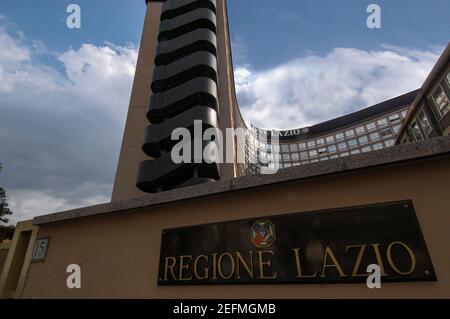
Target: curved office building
{"points": [[186, 48]]}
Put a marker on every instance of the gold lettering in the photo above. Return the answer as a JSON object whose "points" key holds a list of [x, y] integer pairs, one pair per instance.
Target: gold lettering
{"points": [[241, 260], [376, 249], [362, 249], [214, 266], [391, 261], [206, 269], [233, 266], [167, 267], [263, 263], [329, 252], [299, 266], [184, 267]]}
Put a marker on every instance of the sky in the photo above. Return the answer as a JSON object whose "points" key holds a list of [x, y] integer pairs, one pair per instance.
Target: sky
{"points": [[64, 93]]}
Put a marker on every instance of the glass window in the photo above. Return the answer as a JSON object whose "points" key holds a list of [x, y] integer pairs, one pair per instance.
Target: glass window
{"points": [[396, 128], [387, 132], [352, 143], [448, 78], [304, 155], [377, 146], [324, 158], [320, 142], [363, 140], [293, 147], [394, 119], [339, 136], [287, 165], [389, 143], [426, 125], [330, 139], [382, 122], [344, 154], [350, 133], [357, 151], [404, 113], [285, 148], [371, 126], [334, 156], [332, 149], [295, 156], [302, 146], [286, 157], [311, 144], [313, 153], [296, 164], [366, 149], [415, 130], [342, 146], [360, 130], [441, 100], [305, 162], [315, 160], [322, 151], [374, 136]]}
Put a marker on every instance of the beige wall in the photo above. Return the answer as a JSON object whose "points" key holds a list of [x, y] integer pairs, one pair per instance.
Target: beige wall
{"points": [[131, 154], [119, 254]]}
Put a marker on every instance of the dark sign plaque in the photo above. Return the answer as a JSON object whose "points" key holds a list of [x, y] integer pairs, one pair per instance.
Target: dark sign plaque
{"points": [[331, 246]]}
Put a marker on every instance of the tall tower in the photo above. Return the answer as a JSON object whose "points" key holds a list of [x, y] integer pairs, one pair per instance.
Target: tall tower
{"points": [[184, 73]]}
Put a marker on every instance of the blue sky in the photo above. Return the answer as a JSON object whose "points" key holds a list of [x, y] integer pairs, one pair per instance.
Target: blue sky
{"points": [[272, 33], [64, 93]]}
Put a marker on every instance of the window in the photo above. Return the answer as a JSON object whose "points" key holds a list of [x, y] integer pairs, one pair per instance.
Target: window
{"points": [[396, 128], [332, 149], [295, 156], [389, 143], [448, 78], [425, 123], [353, 143], [371, 126], [344, 154], [286, 157], [334, 156], [324, 158], [416, 132], [375, 136], [357, 151], [382, 123], [360, 130], [287, 165], [339, 136], [363, 140], [311, 144], [350, 133], [342, 146], [330, 139], [386, 133], [366, 149], [285, 148], [377, 146], [320, 142], [394, 119], [441, 100], [313, 153], [304, 155], [293, 147], [322, 151], [302, 146], [404, 113]]}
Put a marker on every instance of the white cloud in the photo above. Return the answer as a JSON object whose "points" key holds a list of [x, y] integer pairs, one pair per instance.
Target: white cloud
{"points": [[315, 88], [61, 123]]}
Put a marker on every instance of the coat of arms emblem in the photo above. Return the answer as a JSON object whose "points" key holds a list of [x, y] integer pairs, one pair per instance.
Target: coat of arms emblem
{"points": [[263, 234]]}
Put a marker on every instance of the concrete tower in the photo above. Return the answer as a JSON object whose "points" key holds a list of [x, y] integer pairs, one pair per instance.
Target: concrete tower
{"points": [[184, 73]]}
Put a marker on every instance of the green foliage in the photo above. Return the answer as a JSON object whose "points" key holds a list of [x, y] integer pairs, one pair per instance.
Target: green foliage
{"points": [[4, 209]]}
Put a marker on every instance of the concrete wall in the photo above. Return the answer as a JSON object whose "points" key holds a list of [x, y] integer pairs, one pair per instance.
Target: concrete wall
{"points": [[119, 253]]}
